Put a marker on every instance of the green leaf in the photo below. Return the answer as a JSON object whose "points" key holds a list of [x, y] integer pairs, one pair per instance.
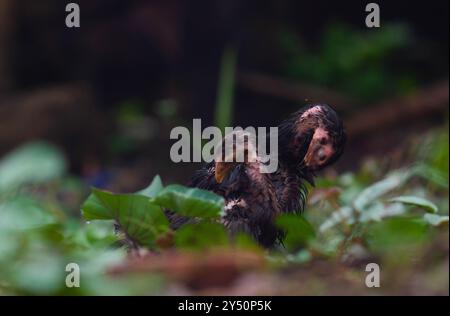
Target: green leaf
{"points": [[436, 220], [141, 220], [201, 236], [378, 211], [31, 163], [298, 230], [93, 208], [153, 189], [245, 241], [24, 213], [433, 175], [396, 234], [417, 201], [378, 189], [190, 201]]}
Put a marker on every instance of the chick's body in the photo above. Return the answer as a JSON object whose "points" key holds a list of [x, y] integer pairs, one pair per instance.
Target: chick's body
{"points": [[252, 198]]}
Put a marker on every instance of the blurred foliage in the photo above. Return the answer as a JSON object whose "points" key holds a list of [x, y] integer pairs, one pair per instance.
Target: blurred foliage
{"points": [[393, 218], [36, 163], [360, 64], [137, 124], [39, 236], [399, 210]]}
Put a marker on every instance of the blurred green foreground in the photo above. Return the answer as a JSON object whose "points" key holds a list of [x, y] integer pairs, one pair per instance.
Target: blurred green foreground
{"points": [[396, 218]]}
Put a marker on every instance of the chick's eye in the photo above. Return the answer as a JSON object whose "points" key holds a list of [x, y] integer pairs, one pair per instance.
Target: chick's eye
{"points": [[323, 141], [321, 154]]}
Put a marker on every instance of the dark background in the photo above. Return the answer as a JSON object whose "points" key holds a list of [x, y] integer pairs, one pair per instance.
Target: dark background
{"points": [[109, 92]]}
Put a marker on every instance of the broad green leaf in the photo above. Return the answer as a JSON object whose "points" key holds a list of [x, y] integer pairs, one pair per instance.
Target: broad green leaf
{"points": [[31, 163], [141, 220], [375, 191], [417, 201], [153, 189], [190, 201], [93, 208], [201, 236], [435, 219], [298, 230]]}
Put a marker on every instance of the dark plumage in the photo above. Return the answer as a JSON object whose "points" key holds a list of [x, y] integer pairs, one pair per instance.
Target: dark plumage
{"points": [[311, 139]]}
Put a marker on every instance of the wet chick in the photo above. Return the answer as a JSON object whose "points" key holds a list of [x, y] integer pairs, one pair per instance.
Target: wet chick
{"points": [[311, 139]]}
